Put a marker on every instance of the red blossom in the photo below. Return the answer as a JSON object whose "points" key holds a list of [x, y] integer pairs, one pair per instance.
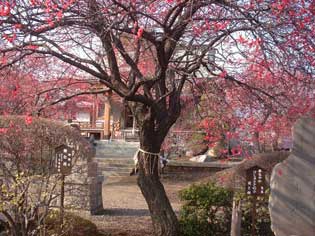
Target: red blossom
{"points": [[10, 38], [139, 33], [32, 47], [3, 60], [223, 74], [18, 26], [3, 130], [242, 40], [5, 9], [28, 120], [59, 15], [33, 2]]}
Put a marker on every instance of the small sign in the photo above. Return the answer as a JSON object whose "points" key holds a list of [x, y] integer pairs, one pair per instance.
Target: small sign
{"points": [[63, 159], [255, 181]]}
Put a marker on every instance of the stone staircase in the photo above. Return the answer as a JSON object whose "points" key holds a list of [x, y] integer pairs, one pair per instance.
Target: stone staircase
{"points": [[115, 158]]}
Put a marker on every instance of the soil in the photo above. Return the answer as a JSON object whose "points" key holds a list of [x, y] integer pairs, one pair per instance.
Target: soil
{"points": [[126, 212]]}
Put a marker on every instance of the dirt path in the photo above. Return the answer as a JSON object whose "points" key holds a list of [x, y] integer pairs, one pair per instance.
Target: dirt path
{"points": [[126, 212]]}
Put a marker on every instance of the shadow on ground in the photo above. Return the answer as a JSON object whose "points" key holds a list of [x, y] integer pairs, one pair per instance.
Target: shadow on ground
{"points": [[124, 212]]}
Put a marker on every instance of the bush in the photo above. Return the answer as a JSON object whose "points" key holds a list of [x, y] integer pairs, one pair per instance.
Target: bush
{"points": [[28, 181], [73, 225], [262, 215], [207, 210]]}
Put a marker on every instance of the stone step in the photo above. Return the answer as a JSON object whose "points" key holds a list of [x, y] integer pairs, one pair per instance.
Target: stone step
{"points": [[123, 151], [113, 169], [117, 160], [101, 146], [115, 155], [118, 148], [117, 144], [114, 147], [116, 173], [115, 165]]}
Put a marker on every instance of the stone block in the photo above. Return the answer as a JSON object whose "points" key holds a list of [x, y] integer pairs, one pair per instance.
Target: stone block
{"points": [[292, 186], [92, 169], [83, 188]]}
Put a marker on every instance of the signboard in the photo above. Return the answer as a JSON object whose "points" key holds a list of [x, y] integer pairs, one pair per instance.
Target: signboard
{"points": [[63, 159], [255, 181]]}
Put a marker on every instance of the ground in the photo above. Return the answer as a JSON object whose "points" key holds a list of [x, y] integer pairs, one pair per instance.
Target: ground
{"points": [[126, 212]]}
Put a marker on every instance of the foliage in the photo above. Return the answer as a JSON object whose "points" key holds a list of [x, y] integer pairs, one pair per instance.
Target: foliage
{"points": [[197, 143], [207, 211], [177, 142], [262, 215], [23, 92], [28, 180], [74, 225]]}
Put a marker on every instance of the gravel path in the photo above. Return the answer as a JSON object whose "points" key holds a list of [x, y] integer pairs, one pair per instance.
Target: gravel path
{"points": [[126, 212]]}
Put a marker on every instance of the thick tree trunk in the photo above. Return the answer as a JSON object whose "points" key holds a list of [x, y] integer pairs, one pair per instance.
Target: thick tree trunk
{"points": [[154, 125], [164, 220]]}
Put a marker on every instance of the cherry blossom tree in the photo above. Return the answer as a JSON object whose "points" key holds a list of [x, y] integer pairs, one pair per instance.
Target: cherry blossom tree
{"points": [[108, 39], [28, 93]]}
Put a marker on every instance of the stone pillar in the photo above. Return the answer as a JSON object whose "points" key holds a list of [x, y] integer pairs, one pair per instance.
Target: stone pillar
{"points": [[95, 183], [107, 111], [83, 188], [292, 186]]}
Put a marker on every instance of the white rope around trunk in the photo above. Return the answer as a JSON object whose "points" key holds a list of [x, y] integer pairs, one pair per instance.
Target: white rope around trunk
{"points": [[149, 160], [151, 153]]}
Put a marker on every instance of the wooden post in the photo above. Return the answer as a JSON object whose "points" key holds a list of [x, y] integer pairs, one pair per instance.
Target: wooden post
{"points": [[255, 186], [236, 218], [107, 120], [93, 115], [254, 201], [63, 166], [62, 199]]}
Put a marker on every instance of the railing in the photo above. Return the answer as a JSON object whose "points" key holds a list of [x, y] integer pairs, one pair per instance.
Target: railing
{"points": [[87, 125], [130, 134], [125, 134]]}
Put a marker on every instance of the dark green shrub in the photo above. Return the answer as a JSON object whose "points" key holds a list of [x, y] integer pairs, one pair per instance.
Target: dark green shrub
{"points": [[207, 210], [262, 215]]}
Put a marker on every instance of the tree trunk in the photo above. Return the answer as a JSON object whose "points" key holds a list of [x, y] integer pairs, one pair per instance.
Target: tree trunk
{"points": [[164, 220], [257, 142]]}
